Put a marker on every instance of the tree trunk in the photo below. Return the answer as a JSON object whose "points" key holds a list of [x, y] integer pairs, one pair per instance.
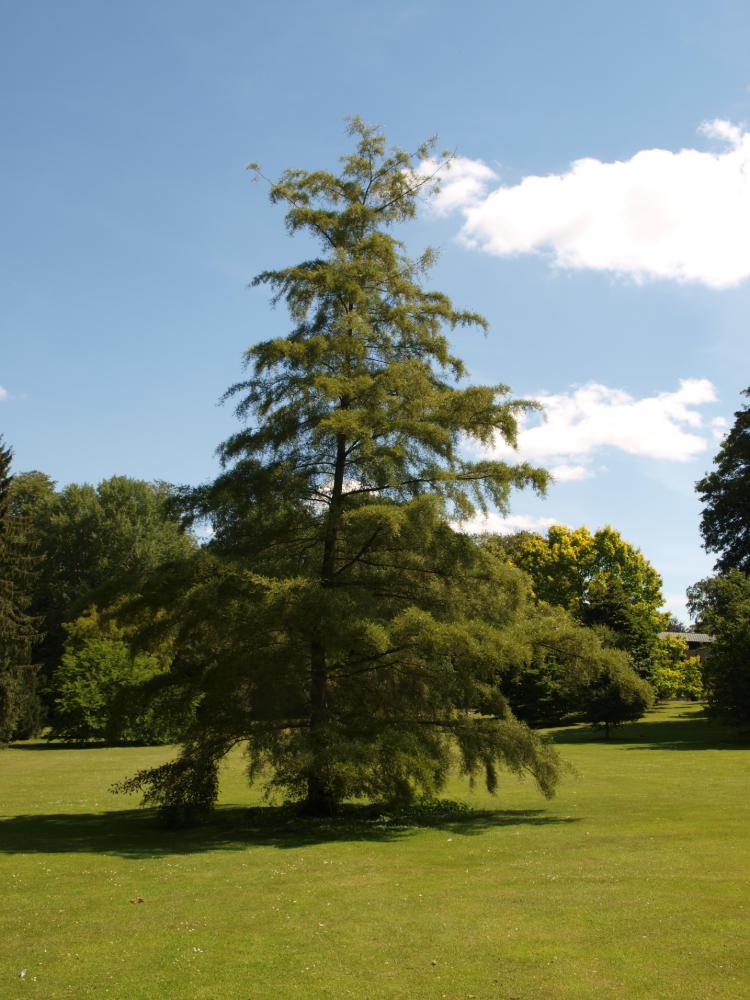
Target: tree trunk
{"points": [[321, 799]]}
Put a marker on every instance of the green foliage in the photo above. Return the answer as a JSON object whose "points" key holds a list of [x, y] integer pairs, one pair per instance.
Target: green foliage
{"points": [[621, 623], [98, 687], [725, 492], [676, 674], [617, 694], [566, 562], [94, 543], [336, 621], [560, 660], [722, 607], [20, 708], [599, 578]]}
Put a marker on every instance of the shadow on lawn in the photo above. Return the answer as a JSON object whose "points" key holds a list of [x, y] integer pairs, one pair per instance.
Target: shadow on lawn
{"points": [[691, 729], [136, 833]]}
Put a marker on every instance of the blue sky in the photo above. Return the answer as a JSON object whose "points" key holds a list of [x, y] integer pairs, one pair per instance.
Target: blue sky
{"points": [[131, 229]]}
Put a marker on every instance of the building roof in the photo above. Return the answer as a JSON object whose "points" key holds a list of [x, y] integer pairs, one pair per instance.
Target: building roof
{"points": [[688, 636]]}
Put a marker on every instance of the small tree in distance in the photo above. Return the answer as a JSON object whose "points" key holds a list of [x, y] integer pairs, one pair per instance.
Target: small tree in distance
{"points": [[336, 622], [617, 695]]}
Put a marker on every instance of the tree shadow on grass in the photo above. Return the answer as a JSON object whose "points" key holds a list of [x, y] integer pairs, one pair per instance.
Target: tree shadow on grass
{"points": [[38, 744], [136, 833], [691, 729]]}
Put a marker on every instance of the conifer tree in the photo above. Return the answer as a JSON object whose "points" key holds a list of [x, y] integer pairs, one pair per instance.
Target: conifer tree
{"points": [[336, 621], [20, 708]]}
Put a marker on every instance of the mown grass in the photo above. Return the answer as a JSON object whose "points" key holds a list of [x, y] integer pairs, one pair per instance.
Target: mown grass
{"points": [[633, 882]]}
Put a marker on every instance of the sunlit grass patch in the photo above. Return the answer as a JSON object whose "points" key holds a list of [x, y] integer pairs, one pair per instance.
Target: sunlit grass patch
{"points": [[633, 882]]}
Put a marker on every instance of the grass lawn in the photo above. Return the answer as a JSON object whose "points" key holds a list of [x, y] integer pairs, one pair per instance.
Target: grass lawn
{"points": [[633, 882]]}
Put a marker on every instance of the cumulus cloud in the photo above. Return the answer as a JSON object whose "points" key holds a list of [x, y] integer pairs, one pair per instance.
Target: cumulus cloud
{"points": [[681, 215], [498, 524], [3, 393], [462, 182], [579, 423], [565, 472]]}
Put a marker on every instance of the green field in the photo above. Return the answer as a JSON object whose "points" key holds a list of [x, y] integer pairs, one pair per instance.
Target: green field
{"points": [[633, 882]]}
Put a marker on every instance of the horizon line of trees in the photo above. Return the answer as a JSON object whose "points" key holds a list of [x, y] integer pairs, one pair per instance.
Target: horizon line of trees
{"points": [[90, 549]]}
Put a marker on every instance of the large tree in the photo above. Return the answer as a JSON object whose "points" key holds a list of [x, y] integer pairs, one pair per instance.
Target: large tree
{"points": [[337, 622], [725, 492], [20, 708]]}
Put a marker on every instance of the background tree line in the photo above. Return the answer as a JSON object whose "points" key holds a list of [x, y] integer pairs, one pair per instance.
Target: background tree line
{"points": [[68, 557], [88, 549]]}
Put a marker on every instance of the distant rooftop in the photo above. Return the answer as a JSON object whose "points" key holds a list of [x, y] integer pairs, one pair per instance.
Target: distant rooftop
{"points": [[688, 636]]}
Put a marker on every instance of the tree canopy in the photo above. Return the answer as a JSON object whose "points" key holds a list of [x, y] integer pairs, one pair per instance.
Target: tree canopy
{"points": [[725, 492], [336, 621], [599, 578], [94, 543]]}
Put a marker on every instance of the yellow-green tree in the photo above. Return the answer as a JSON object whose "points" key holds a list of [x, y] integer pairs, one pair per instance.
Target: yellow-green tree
{"points": [[675, 674], [600, 578]]}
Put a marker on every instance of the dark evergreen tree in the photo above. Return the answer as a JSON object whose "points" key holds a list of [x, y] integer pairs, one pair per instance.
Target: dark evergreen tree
{"points": [[20, 707], [621, 624], [337, 622], [721, 606], [725, 492]]}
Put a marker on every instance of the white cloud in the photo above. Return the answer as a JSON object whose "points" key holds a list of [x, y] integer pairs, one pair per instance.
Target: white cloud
{"points": [[3, 393], [564, 472], [462, 182], [577, 424], [680, 215], [497, 524]]}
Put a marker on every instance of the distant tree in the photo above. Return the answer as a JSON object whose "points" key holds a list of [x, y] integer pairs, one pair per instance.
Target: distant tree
{"points": [[617, 695], [97, 687], [95, 543], [721, 606], [674, 673], [337, 622], [725, 492], [20, 707], [620, 622], [599, 578], [546, 685], [565, 562]]}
